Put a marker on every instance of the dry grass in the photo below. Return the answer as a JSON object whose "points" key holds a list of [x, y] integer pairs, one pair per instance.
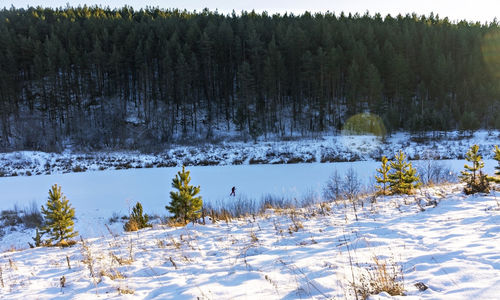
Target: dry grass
{"points": [[125, 291], [88, 259], [380, 277], [253, 237], [64, 243], [175, 223], [112, 274], [131, 225], [122, 261]]}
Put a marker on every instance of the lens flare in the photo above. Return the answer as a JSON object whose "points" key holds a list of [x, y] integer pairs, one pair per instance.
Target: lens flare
{"points": [[364, 124], [490, 47], [363, 134]]}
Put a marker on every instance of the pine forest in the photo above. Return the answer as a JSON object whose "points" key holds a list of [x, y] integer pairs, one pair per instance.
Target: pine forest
{"points": [[122, 78]]}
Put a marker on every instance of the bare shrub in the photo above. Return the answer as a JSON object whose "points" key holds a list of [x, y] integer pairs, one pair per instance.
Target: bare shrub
{"points": [[273, 201], [114, 218], [308, 199], [10, 217], [432, 171], [31, 216], [333, 188], [351, 185]]}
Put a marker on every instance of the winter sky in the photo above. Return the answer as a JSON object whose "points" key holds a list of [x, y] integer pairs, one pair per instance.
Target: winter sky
{"points": [[478, 10]]}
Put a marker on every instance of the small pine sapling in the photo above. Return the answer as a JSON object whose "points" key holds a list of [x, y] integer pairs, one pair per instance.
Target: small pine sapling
{"points": [[137, 219], [496, 178], [37, 239], [58, 217], [473, 177], [404, 179], [383, 179], [183, 203]]}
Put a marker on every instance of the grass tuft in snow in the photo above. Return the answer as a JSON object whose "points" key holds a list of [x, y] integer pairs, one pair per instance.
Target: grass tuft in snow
{"points": [[381, 276]]}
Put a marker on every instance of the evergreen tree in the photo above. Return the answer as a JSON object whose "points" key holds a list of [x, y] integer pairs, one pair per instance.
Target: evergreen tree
{"points": [[58, 216], [384, 176], [404, 179], [473, 177], [137, 219], [497, 158], [37, 239], [183, 204], [183, 74], [496, 178]]}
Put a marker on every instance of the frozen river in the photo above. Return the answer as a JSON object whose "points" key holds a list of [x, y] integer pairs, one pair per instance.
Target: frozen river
{"points": [[117, 190]]}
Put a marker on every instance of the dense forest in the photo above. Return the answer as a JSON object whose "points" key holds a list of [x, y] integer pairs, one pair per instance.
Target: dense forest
{"points": [[96, 77]]}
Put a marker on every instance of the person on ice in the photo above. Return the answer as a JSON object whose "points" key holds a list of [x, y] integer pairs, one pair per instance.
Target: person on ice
{"points": [[233, 192]]}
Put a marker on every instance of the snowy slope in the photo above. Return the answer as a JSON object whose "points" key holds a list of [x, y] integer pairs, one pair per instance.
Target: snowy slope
{"points": [[453, 248]]}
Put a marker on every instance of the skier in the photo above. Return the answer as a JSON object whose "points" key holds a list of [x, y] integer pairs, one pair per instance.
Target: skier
{"points": [[233, 192]]}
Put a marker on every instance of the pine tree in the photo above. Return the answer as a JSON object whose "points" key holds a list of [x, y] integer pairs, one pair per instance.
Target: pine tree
{"points": [[37, 239], [404, 179], [473, 177], [384, 176], [137, 219], [183, 204], [496, 178], [58, 216]]}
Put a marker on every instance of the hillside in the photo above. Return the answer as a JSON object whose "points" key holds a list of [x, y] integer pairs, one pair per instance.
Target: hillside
{"points": [[439, 237], [144, 79]]}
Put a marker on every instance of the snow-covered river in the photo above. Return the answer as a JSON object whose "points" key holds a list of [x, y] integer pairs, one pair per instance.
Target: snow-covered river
{"points": [[118, 190]]}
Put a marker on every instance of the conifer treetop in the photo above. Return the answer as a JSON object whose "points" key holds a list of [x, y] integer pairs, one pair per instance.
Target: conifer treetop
{"points": [[184, 204], [58, 216], [497, 158], [404, 177], [384, 178]]}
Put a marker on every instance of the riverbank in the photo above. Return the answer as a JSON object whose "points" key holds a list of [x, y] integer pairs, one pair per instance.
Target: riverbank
{"points": [[451, 145]]}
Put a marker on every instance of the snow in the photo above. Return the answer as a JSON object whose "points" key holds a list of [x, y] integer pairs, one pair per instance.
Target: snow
{"points": [[451, 145], [97, 195], [452, 248]]}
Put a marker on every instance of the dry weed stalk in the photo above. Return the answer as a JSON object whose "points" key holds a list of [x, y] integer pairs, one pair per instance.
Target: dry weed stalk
{"points": [[67, 261], [253, 237], [121, 261], [297, 225], [12, 264], [1, 277], [173, 263], [273, 283], [277, 227], [111, 274], [174, 243], [88, 259]]}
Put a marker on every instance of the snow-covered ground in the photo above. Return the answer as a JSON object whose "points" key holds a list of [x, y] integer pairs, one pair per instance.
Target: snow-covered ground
{"points": [[315, 252], [325, 149], [450, 243]]}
